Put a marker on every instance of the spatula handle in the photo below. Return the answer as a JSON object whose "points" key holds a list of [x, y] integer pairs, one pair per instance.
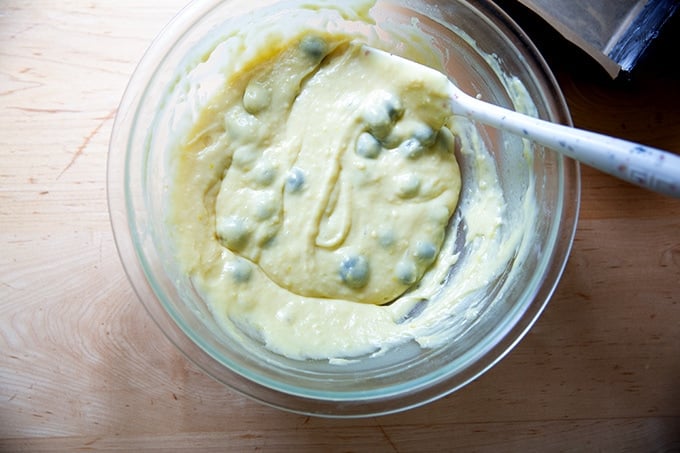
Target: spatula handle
{"points": [[642, 165]]}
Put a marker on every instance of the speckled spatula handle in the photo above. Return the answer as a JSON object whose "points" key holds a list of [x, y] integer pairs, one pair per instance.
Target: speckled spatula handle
{"points": [[644, 166]]}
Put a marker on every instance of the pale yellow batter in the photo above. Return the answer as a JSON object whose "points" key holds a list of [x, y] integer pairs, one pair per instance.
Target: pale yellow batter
{"points": [[314, 187]]}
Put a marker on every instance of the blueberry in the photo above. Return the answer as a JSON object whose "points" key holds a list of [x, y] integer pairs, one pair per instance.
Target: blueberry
{"points": [[408, 185], [411, 148], [425, 134], [354, 271], [382, 111], [295, 180], [378, 121], [241, 125], [256, 98], [233, 231], [244, 157], [405, 271], [240, 270], [314, 47], [393, 107], [425, 251], [368, 146], [265, 206], [386, 237], [439, 214], [264, 174]]}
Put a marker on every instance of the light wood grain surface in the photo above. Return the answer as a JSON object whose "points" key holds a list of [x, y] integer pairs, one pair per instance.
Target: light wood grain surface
{"points": [[83, 367]]}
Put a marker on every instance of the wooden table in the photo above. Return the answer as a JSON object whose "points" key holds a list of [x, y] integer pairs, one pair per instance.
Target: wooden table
{"points": [[82, 366]]}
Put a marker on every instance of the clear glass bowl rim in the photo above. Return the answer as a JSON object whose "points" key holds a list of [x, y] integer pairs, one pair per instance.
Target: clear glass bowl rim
{"points": [[138, 274]]}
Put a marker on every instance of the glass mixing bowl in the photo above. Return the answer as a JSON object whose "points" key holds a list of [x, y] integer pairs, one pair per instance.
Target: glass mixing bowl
{"points": [[478, 42]]}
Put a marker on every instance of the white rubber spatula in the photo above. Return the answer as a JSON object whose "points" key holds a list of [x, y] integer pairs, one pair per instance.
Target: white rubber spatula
{"points": [[647, 167]]}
